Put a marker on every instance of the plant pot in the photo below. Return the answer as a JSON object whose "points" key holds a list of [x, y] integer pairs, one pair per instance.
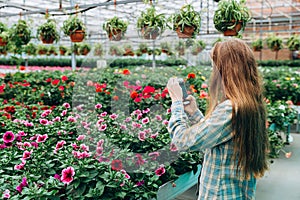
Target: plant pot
{"points": [[115, 35], [256, 49], [150, 33], [235, 30], [187, 32], [42, 52], [47, 40], [62, 52], [144, 51], [85, 52], [77, 36], [2, 43], [164, 51]]}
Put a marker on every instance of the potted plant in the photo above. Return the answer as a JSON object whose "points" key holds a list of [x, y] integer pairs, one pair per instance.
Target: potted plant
{"points": [[20, 33], [231, 17], [85, 48], [180, 47], [293, 43], [274, 43], [62, 50], [151, 24], [143, 47], [42, 49], [4, 34], [257, 45], [198, 46], [187, 22], [30, 49], [75, 28], [98, 49], [52, 50], [115, 28], [76, 48], [116, 50], [157, 52], [128, 50], [165, 47], [47, 32], [138, 52]]}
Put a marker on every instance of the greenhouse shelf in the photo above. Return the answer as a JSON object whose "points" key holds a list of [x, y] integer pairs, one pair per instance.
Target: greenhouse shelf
{"points": [[183, 183]]}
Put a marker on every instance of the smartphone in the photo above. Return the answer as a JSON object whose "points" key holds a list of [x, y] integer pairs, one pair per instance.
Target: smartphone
{"points": [[184, 91]]}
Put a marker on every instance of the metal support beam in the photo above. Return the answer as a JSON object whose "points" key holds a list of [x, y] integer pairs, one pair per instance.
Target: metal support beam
{"points": [[70, 8]]}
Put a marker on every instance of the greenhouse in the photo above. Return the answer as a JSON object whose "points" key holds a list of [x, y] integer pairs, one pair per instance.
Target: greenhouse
{"points": [[149, 99]]}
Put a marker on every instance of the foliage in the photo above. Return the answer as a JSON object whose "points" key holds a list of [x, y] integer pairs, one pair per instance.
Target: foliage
{"points": [[257, 45], [115, 50], [187, 16], [4, 35], [274, 42], [72, 24], [198, 46], [229, 13], [165, 47], [152, 21], [3, 27], [30, 49], [98, 49], [20, 33], [115, 23], [143, 47], [293, 43], [85, 48], [48, 31]]}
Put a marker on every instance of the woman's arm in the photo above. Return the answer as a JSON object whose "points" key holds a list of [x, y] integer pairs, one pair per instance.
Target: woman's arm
{"points": [[206, 134]]}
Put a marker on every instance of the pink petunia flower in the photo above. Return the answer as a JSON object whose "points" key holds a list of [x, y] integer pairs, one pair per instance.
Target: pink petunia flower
{"points": [[173, 147], [154, 155], [154, 135], [8, 137], [80, 137], [128, 119], [204, 85], [142, 136], [71, 119], [160, 171], [41, 138], [127, 176], [56, 119], [103, 114], [63, 113], [165, 122], [158, 117], [46, 113], [57, 176], [6, 194], [75, 146], [102, 127], [60, 145], [66, 105], [113, 116], [123, 127], [98, 106], [100, 143], [44, 121], [83, 147], [146, 110], [27, 154], [67, 175], [22, 133]]}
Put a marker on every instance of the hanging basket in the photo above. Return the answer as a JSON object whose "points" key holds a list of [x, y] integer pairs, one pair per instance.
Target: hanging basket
{"points": [[115, 35], [187, 32], [77, 36], [2, 43], [47, 40], [150, 33], [235, 30]]}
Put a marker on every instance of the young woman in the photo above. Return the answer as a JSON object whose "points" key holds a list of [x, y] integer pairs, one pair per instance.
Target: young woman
{"points": [[233, 132]]}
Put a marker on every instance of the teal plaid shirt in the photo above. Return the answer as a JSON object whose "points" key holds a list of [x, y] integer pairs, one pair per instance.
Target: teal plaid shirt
{"points": [[213, 135]]}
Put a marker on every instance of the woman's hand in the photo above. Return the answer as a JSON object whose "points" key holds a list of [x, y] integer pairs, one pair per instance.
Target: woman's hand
{"points": [[174, 89], [192, 106]]}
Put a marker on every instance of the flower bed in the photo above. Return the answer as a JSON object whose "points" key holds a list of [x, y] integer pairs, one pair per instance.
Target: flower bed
{"points": [[97, 134]]}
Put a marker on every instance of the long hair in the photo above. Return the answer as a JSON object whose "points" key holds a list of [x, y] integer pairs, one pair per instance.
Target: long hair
{"points": [[235, 77]]}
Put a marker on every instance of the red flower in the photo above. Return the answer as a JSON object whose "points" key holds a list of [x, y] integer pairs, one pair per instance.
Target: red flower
{"points": [[116, 165], [2, 87], [64, 78], [191, 75], [22, 68], [67, 175], [55, 82], [61, 88], [148, 89], [116, 98], [137, 100], [48, 80], [126, 72], [134, 94]]}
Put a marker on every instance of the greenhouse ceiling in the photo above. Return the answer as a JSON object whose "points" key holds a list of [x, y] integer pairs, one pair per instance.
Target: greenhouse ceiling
{"points": [[95, 12]]}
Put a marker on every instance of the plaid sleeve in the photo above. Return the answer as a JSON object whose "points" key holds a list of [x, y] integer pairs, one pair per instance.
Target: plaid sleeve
{"points": [[196, 117], [209, 133]]}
